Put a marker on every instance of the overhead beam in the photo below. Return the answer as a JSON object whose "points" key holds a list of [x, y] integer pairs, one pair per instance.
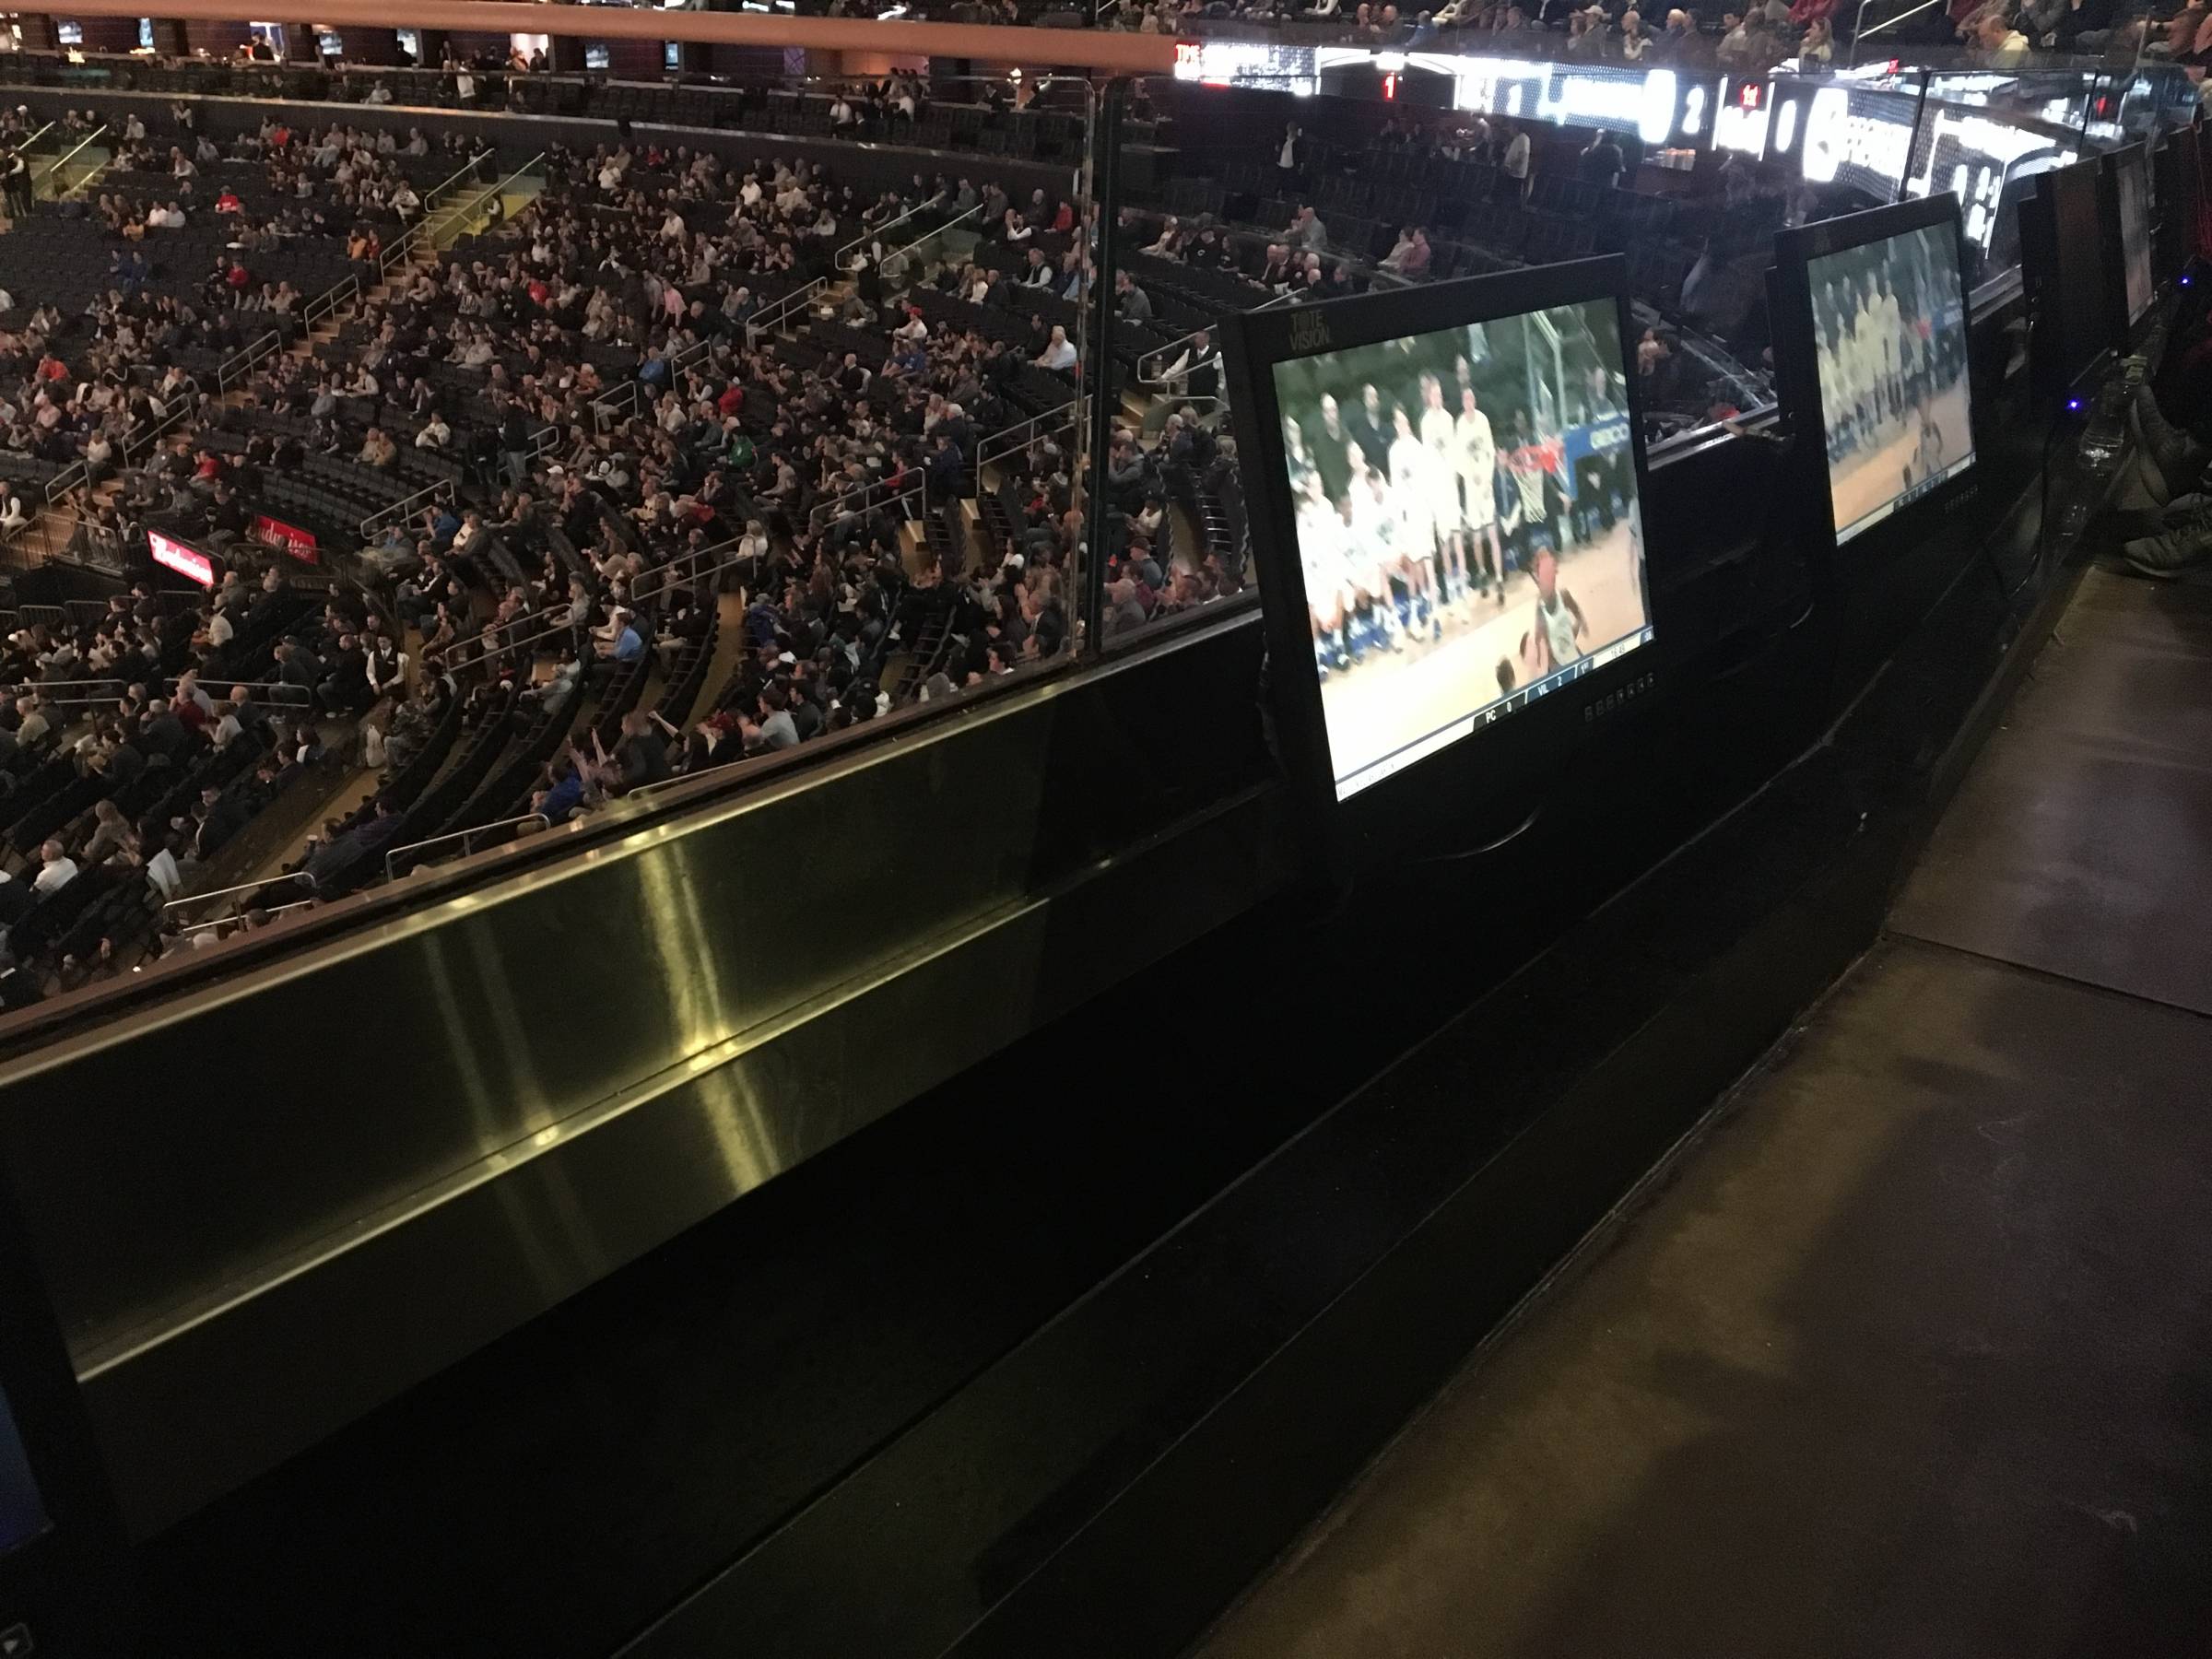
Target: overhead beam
{"points": [[1109, 52]]}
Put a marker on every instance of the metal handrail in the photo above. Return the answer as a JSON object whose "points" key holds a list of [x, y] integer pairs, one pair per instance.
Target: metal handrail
{"points": [[822, 514], [241, 362], [464, 836], [403, 251], [623, 401], [776, 313], [274, 909], [67, 479], [462, 212], [838, 259], [328, 304], [244, 887], [1008, 441], [137, 443], [841, 261], [1160, 353], [1860, 32], [117, 679], [668, 572], [69, 155], [401, 509], [134, 444]]}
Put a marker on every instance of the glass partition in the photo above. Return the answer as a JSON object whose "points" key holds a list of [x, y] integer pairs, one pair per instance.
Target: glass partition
{"points": [[804, 383]]}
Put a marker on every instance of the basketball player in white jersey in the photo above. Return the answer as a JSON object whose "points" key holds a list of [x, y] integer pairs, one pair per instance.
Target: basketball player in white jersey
{"points": [[1439, 439], [1475, 460], [1556, 639], [1373, 554], [1320, 557], [1413, 494]]}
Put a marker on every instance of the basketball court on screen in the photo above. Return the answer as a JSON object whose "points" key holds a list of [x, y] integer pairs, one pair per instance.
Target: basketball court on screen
{"points": [[1873, 476], [1394, 698]]}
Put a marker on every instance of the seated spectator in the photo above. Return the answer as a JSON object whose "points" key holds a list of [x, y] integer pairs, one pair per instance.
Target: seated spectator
{"points": [[1059, 351], [56, 868], [1409, 258]]}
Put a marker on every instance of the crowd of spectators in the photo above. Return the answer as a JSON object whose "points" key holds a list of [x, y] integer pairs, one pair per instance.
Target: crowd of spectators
{"points": [[683, 397], [138, 739]]}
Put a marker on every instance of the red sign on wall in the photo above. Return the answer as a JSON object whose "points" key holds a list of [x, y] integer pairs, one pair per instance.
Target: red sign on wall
{"points": [[285, 538], [173, 555]]}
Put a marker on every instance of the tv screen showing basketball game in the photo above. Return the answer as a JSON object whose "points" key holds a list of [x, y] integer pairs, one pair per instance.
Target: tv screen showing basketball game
{"points": [[1466, 513], [1889, 343]]}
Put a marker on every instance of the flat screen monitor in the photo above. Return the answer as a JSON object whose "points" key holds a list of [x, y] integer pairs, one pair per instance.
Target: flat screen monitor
{"points": [[2130, 175], [1889, 351], [1458, 470], [2072, 279]]}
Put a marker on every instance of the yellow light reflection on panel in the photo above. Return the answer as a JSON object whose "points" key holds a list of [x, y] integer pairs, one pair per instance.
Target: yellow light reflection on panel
{"points": [[693, 984]]}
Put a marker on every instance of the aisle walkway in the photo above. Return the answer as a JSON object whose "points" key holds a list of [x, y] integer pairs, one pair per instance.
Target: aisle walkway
{"points": [[1912, 1353]]}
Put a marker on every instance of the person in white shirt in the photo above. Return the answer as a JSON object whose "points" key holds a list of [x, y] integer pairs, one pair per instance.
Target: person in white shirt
{"points": [[1059, 350], [1516, 164], [162, 870], [57, 869], [435, 433]]}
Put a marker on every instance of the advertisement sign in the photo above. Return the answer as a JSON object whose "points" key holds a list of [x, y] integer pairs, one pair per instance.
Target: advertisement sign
{"points": [[1740, 115], [1860, 137], [188, 563], [285, 538], [1647, 102], [1247, 63]]}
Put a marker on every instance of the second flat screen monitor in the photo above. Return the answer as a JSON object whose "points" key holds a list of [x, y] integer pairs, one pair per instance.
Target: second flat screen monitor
{"points": [[1467, 514], [1889, 339]]}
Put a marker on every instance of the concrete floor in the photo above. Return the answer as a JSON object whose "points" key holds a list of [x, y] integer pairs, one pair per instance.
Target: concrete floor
{"points": [[1911, 1353]]}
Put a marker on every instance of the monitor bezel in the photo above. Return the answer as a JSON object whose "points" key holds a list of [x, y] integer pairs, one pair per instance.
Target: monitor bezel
{"points": [[2179, 152], [2043, 270], [2125, 323], [1796, 360], [1440, 798]]}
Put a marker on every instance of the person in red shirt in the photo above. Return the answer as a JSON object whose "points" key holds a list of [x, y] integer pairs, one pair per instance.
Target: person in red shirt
{"points": [[227, 202], [732, 401], [237, 278]]}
